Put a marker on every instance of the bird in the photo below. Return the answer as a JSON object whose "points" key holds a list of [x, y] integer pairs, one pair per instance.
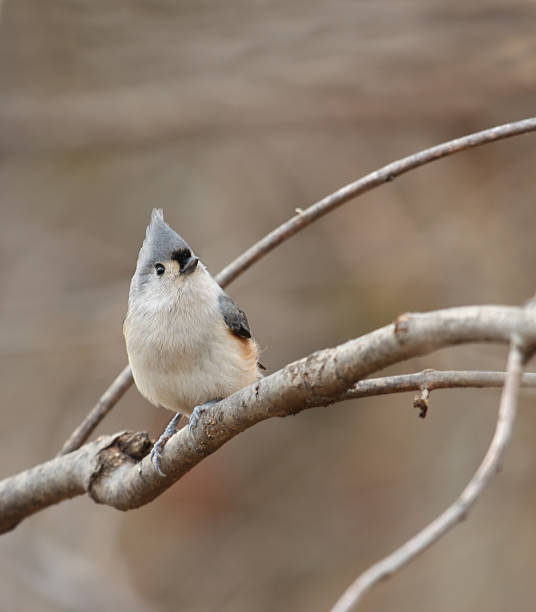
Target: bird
{"points": [[189, 344]]}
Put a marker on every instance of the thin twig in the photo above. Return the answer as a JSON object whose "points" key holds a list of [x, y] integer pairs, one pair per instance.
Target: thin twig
{"points": [[431, 379], [459, 509], [304, 218], [106, 402]]}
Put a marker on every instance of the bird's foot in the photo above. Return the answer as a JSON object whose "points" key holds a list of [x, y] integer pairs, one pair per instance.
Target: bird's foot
{"points": [[198, 411], [156, 452]]}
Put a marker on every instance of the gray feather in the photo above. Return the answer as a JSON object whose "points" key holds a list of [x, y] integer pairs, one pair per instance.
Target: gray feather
{"points": [[234, 317]]}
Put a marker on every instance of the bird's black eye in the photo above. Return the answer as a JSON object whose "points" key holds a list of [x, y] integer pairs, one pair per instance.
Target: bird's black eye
{"points": [[160, 269]]}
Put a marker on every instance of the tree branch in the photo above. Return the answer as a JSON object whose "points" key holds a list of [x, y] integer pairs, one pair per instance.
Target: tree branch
{"points": [[113, 478], [297, 223], [459, 509], [431, 379]]}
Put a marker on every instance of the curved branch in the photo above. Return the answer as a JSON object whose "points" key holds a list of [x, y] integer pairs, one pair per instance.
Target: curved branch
{"points": [[317, 380], [458, 510], [364, 184], [297, 223]]}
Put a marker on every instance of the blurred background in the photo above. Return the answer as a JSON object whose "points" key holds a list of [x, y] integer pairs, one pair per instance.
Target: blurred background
{"points": [[229, 116]]}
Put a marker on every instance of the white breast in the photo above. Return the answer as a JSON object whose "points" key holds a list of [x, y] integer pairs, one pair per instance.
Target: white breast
{"points": [[181, 353]]}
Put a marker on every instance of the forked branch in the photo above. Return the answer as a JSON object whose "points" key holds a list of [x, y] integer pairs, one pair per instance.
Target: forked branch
{"points": [[291, 227]]}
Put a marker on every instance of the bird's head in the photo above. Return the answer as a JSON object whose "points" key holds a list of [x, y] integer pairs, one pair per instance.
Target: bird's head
{"points": [[165, 262]]}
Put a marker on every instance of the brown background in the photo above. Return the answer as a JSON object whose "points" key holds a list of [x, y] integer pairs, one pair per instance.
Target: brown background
{"points": [[229, 116]]}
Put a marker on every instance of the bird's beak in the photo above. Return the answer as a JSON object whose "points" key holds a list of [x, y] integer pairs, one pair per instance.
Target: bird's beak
{"points": [[189, 266]]}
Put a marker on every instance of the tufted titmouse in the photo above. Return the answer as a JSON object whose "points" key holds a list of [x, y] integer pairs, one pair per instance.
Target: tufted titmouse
{"points": [[188, 343]]}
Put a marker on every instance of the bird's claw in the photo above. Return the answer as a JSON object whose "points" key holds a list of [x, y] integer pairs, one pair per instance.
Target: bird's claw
{"points": [[156, 454], [194, 417], [197, 412]]}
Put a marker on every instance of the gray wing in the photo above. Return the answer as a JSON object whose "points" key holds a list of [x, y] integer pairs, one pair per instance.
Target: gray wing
{"points": [[234, 317]]}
